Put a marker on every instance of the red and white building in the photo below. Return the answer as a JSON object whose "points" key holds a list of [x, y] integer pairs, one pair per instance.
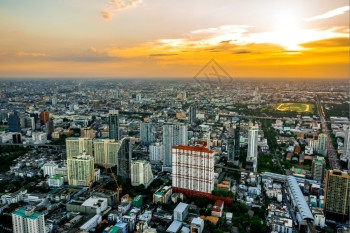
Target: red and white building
{"points": [[193, 168], [218, 209]]}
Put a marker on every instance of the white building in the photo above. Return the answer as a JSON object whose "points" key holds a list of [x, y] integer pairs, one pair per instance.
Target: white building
{"points": [[347, 146], [141, 173], [39, 137], [181, 212], [91, 223], [173, 135], [28, 221], [56, 181], [156, 152], [252, 155], [193, 168], [162, 195], [11, 198], [49, 169], [98, 203], [197, 225]]}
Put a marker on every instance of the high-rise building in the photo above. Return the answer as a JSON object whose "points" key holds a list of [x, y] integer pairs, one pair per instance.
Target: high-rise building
{"points": [[113, 122], [322, 144], [146, 132], [336, 199], [192, 115], [28, 221], [80, 170], [233, 148], [252, 155], [49, 169], [318, 168], [156, 152], [44, 117], [124, 159], [30, 122], [106, 151], [14, 122], [76, 146], [347, 146], [193, 168], [49, 128], [173, 135], [141, 173]]}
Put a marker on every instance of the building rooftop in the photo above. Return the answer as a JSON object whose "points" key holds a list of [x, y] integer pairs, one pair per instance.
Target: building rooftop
{"points": [[298, 198], [22, 212], [181, 207]]}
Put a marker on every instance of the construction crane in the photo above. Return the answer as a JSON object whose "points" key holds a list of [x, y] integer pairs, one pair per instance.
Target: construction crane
{"points": [[119, 187]]}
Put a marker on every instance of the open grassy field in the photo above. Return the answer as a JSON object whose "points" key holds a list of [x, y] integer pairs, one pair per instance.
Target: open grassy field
{"points": [[296, 107]]}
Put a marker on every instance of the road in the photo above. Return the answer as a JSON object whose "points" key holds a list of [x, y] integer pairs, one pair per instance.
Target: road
{"points": [[332, 153]]}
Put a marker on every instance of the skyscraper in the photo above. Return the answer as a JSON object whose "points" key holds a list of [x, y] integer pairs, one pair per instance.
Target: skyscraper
{"points": [[49, 128], [76, 146], [173, 135], [146, 133], [233, 147], [44, 117], [106, 151], [318, 168], [141, 173], [252, 155], [336, 200], [26, 220], [156, 152], [113, 122], [124, 159], [192, 169], [14, 122], [80, 169], [347, 146], [322, 144], [192, 115]]}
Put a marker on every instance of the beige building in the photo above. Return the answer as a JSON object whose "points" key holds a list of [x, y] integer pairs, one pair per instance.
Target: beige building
{"points": [[106, 151], [336, 200], [80, 170], [76, 146]]}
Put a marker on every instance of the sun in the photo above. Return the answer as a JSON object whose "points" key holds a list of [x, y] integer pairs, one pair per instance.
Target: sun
{"points": [[287, 30]]}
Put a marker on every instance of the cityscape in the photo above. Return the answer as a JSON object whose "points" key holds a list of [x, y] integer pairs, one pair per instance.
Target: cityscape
{"points": [[191, 125]]}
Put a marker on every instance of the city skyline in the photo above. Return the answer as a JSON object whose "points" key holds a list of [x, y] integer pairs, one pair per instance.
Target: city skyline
{"points": [[135, 39]]}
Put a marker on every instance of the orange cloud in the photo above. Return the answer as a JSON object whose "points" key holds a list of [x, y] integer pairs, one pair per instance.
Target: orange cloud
{"points": [[23, 54]]}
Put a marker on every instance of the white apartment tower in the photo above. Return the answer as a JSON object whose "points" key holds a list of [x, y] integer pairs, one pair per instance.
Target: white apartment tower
{"points": [[156, 152], [141, 173], [252, 155], [193, 168], [28, 221]]}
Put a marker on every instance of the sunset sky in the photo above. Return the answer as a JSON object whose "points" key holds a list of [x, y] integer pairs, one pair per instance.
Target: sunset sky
{"points": [[163, 38]]}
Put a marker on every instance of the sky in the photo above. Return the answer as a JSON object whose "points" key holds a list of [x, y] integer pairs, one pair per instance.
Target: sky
{"points": [[163, 38]]}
